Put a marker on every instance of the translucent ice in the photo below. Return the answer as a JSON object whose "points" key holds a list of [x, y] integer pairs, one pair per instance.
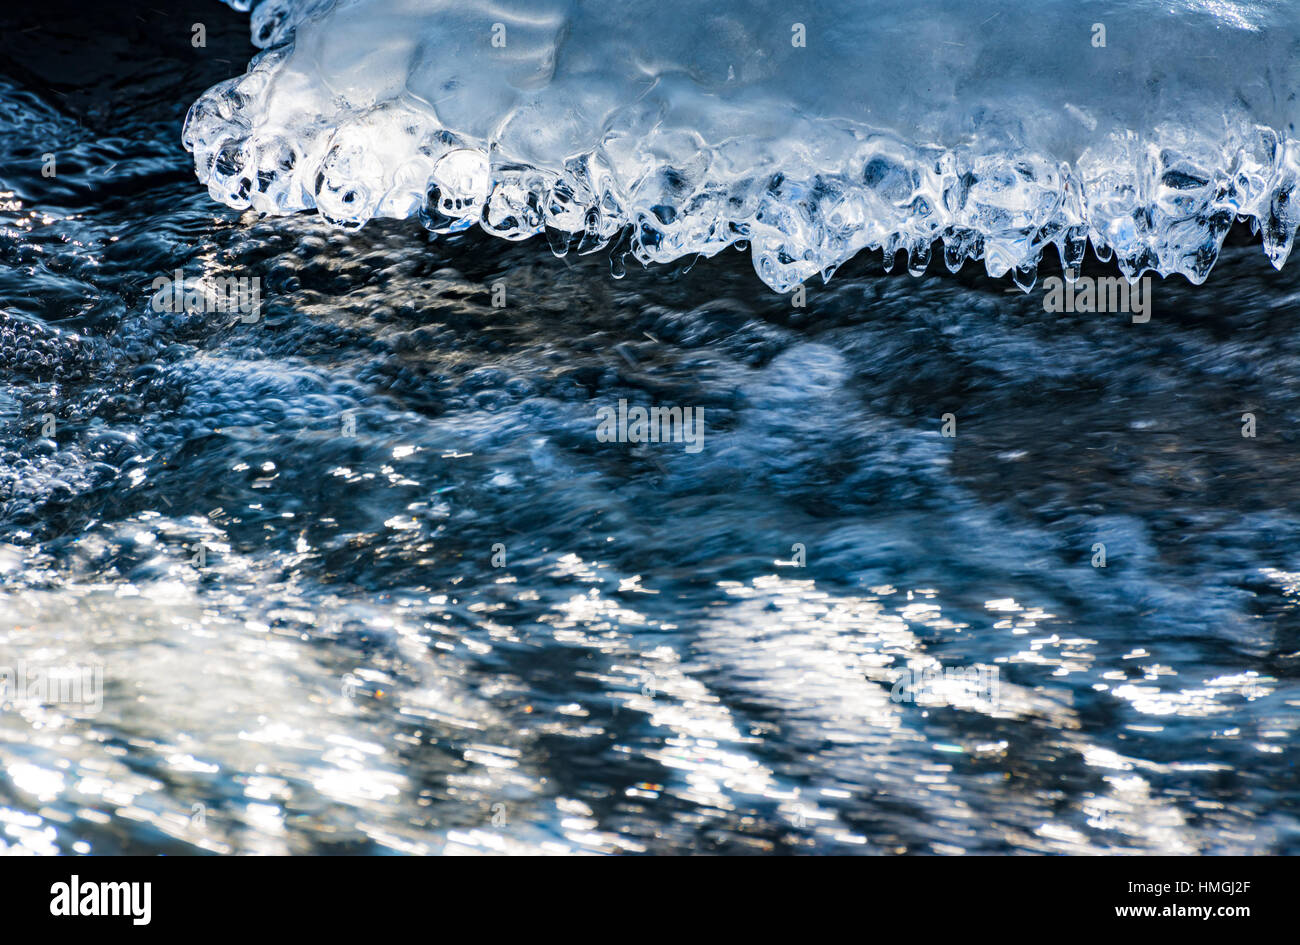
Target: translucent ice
{"points": [[681, 127]]}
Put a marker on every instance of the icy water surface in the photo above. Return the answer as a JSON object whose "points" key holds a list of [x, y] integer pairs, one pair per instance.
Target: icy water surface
{"points": [[306, 644]]}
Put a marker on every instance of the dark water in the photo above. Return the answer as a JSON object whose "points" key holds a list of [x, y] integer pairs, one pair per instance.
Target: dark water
{"points": [[344, 669]]}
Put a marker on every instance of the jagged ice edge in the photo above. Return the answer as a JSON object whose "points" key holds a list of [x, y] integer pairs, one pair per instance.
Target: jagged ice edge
{"points": [[1161, 206]]}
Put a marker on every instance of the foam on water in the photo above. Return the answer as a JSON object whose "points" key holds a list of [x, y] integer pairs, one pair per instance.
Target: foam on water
{"points": [[672, 128]]}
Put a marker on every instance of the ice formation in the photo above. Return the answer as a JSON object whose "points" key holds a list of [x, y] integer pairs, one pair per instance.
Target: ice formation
{"points": [[669, 128]]}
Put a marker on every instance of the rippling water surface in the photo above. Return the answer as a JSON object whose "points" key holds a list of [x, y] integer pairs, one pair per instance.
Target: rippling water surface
{"points": [[344, 669]]}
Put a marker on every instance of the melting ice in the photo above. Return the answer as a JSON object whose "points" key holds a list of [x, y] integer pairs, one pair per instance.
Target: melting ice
{"points": [[671, 128]]}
